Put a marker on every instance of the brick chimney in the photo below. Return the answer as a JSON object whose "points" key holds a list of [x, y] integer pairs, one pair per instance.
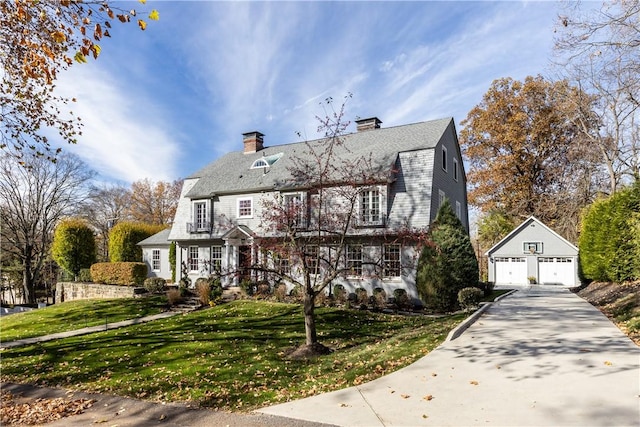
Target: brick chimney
{"points": [[368, 124], [253, 141]]}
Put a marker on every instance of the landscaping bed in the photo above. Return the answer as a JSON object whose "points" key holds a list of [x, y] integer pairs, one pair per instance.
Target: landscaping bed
{"points": [[620, 302]]}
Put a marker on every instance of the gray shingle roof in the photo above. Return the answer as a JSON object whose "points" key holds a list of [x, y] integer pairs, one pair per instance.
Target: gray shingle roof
{"points": [[231, 173], [160, 238]]}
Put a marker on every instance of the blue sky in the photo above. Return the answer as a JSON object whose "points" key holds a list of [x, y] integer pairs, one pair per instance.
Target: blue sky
{"points": [[162, 103]]}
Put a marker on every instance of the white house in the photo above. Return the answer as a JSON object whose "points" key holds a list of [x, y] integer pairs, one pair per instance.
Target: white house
{"points": [[533, 250], [218, 227], [155, 253]]}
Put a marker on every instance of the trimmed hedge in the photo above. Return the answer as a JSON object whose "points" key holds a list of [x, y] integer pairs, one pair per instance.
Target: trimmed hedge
{"points": [[119, 273]]}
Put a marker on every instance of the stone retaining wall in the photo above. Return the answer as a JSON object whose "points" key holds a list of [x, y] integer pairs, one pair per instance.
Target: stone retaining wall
{"points": [[69, 291]]}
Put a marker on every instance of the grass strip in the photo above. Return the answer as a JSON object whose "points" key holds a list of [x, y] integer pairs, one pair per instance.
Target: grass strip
{"points": [[78, 314], [230, 357]]}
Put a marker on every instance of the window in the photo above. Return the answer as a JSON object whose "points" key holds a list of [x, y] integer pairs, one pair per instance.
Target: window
{"points": [[193, 258], [455, 169], [459, 210], [441, 197], [283, 265], [532, 247], [265, 162], [444, 158], [311, 255], [155, 260], [296, 210], [370, 207], [353, 255], [391, 260], [245, 208], [216, 259], [200, 215]]}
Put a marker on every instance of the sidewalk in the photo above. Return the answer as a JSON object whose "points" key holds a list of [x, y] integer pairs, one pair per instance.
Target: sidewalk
{"points": [[88, 330], [540, 357]]}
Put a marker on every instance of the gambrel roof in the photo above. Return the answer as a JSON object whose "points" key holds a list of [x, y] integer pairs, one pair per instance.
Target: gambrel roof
{"points": [[232, 173]]}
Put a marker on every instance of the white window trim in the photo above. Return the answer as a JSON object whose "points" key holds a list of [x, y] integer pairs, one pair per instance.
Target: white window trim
{"points": [[385, 260], [153, 260], [301, 220], [348, 260], [197, 260], [196, 225], [242, 199], [459, 210], [441, 197], [444, 161], [375, 208], [212, 259]]}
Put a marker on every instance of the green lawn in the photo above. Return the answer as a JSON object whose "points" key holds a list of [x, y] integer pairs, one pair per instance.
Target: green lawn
{"points": [[230, 356], [75, 315]]}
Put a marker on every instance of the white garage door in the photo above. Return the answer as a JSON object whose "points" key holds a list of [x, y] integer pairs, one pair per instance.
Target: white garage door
{"points": [[511, 270], [556, 270]]}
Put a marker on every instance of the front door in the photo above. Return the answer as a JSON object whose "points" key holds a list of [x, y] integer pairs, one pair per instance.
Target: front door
{"points": [[244, 263]]}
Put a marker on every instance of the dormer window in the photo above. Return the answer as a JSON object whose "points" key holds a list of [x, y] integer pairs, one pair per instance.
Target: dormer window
{"points": [[260, 163], [266, 161]]}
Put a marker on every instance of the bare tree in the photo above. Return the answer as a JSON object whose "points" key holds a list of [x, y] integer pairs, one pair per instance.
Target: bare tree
{"points": [[599, 51], [32, 200], [106, 205], [311, 241]]}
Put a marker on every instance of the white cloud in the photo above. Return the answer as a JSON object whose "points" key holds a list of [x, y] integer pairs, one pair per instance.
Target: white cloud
{"points": [[125, 136]]}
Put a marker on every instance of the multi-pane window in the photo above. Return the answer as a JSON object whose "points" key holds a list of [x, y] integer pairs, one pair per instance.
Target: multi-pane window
{"points": [[312, 255], [391, 260], [200, 215], [370, 206], [284, 267], [155, 260], [295, 209], [245, 208], [353, 254], [193, 258], [216, 259]]}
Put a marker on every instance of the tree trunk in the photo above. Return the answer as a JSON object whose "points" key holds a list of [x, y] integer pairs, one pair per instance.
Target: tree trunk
{"points": [[28, 287], [310, 318]]}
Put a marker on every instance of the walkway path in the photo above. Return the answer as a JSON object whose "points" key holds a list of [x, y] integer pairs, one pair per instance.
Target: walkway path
{"points": [[88, 330], [540, 357]]}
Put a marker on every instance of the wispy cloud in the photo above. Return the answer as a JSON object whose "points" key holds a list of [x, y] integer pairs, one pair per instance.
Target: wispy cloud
{"points": [[124, 137]]}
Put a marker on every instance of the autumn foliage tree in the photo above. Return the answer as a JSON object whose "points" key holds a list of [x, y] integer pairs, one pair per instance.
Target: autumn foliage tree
{"points": [[38, 39], [154, 202], [525, 157]]}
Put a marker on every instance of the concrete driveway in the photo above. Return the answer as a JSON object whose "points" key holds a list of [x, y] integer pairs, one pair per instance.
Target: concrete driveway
{"points": [[540, 357]]}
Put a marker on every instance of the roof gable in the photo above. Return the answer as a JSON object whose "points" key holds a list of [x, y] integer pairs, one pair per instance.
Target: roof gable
{"points": [[159, 239], [232, 173], [519, 229]]}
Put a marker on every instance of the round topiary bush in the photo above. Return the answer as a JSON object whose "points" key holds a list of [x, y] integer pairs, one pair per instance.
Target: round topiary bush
{"points": [[469, 297], [154, 285]]}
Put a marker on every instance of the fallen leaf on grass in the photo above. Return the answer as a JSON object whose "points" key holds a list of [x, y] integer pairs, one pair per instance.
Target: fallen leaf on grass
{"points": [[428, 397], [405, 396], [473, 382]]}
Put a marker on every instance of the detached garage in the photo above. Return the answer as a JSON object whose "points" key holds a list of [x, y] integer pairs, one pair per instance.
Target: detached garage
{"points": [[533, 250]]}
